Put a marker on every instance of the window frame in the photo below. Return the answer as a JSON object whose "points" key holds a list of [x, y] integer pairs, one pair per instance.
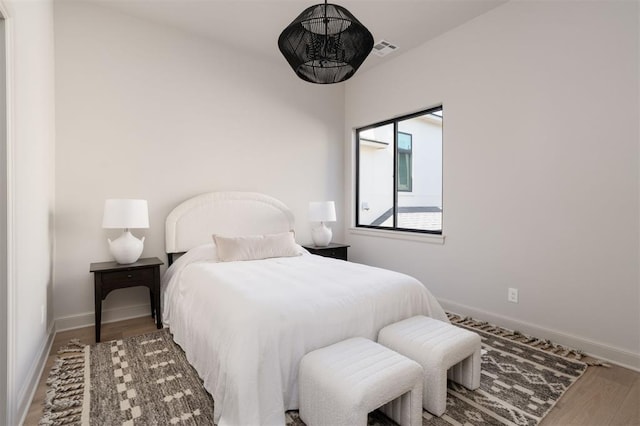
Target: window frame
{"points": [[395, 122]]}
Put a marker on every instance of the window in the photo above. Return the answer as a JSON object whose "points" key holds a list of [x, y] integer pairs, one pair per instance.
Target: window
{"points": [[399, 173]]}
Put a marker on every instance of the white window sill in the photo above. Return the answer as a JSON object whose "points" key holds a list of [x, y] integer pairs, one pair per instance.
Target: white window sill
{"points": [[399, 235]]}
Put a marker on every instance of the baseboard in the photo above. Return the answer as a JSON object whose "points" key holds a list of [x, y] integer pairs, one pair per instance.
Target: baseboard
{"points": [[26, 393], [108, 315], [615, 355]]}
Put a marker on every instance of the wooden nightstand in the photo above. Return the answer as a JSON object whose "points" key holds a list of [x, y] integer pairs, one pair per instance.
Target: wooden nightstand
{"points": [[335, 250], [109, 276]]}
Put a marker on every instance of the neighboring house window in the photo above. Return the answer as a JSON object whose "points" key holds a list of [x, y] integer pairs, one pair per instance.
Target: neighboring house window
{"points": [[399, 173], [404, 162]]}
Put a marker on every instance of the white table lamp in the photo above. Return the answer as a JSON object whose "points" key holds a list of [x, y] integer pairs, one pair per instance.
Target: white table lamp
{"points": [[322, 211], [125, 213]]}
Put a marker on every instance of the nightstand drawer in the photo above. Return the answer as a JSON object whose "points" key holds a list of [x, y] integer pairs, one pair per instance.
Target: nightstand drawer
{"points": [[123, 278], [334, 250], [337, 253]]}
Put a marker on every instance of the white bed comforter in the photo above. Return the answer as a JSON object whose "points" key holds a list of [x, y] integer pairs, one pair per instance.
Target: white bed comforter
{"points": [[245, 326]]}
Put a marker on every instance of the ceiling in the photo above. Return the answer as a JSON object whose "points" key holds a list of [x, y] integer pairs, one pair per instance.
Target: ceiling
{"points": [[253, 26]]}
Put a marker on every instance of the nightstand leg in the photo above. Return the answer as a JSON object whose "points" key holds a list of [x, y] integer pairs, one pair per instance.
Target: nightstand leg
{"points": [[152, 302], [156, 304], [156, 297], [98, 309]]}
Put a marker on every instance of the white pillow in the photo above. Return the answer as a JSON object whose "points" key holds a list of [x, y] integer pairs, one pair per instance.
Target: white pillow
{"points": [[205, 252], [256, 247]]}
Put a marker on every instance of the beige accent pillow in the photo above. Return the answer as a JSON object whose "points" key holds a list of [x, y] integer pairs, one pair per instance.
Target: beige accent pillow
{"points": [[255, 247]]}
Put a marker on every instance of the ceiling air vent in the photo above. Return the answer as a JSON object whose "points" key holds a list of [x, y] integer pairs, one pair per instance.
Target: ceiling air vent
{"points": [[383, 48]]}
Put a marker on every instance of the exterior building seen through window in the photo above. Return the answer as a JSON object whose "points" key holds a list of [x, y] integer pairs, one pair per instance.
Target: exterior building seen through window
{"points": [[399, 173]]}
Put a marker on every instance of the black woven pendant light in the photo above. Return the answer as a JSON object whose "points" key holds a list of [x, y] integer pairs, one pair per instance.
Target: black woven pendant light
{"points": [[325, 44]]}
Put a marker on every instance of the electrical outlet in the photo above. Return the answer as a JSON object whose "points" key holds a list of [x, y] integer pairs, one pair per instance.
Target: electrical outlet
{"points": [[512, 295], [42, 314]]}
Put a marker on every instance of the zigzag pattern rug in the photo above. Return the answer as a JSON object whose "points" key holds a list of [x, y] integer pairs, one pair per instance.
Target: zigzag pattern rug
{"points": [[147, 380]]}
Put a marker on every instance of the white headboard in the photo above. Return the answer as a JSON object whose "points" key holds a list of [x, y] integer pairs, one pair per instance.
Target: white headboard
{"points": [[194, 221]]}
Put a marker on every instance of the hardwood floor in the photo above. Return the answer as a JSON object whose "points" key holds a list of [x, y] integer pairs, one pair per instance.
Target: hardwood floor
{"points": [[602, 397]]}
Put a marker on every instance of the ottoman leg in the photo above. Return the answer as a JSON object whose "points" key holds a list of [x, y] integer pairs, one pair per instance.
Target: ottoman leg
{"points": [[435, 391], [416, 405], [406, 410], [345, 416], [467, 371], [332, 413], [319, 408]]}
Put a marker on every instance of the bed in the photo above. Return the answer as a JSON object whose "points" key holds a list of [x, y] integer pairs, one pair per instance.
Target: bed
{"points": [[245, 325]]}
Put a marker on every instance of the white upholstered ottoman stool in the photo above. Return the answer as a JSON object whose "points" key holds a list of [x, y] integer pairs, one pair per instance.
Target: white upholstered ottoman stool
{"points": [[340, 384], [439, 347]]}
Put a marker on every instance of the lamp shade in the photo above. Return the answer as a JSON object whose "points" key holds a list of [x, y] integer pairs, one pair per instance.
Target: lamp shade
{"points": [[125, 213], [322, 211], [325, 44]]}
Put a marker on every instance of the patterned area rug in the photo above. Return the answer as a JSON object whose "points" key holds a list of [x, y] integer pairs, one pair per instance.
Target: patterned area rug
{"points": [[142, 380], [147, 380]]}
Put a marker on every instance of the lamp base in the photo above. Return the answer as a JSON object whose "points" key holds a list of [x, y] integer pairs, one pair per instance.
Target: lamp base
{"points": [[126, 248], [321, 235]]}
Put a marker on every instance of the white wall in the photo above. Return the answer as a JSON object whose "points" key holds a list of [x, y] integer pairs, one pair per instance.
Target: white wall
{"points": [[4, 318], [32, 130], [146, 111], [540, 168]]}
